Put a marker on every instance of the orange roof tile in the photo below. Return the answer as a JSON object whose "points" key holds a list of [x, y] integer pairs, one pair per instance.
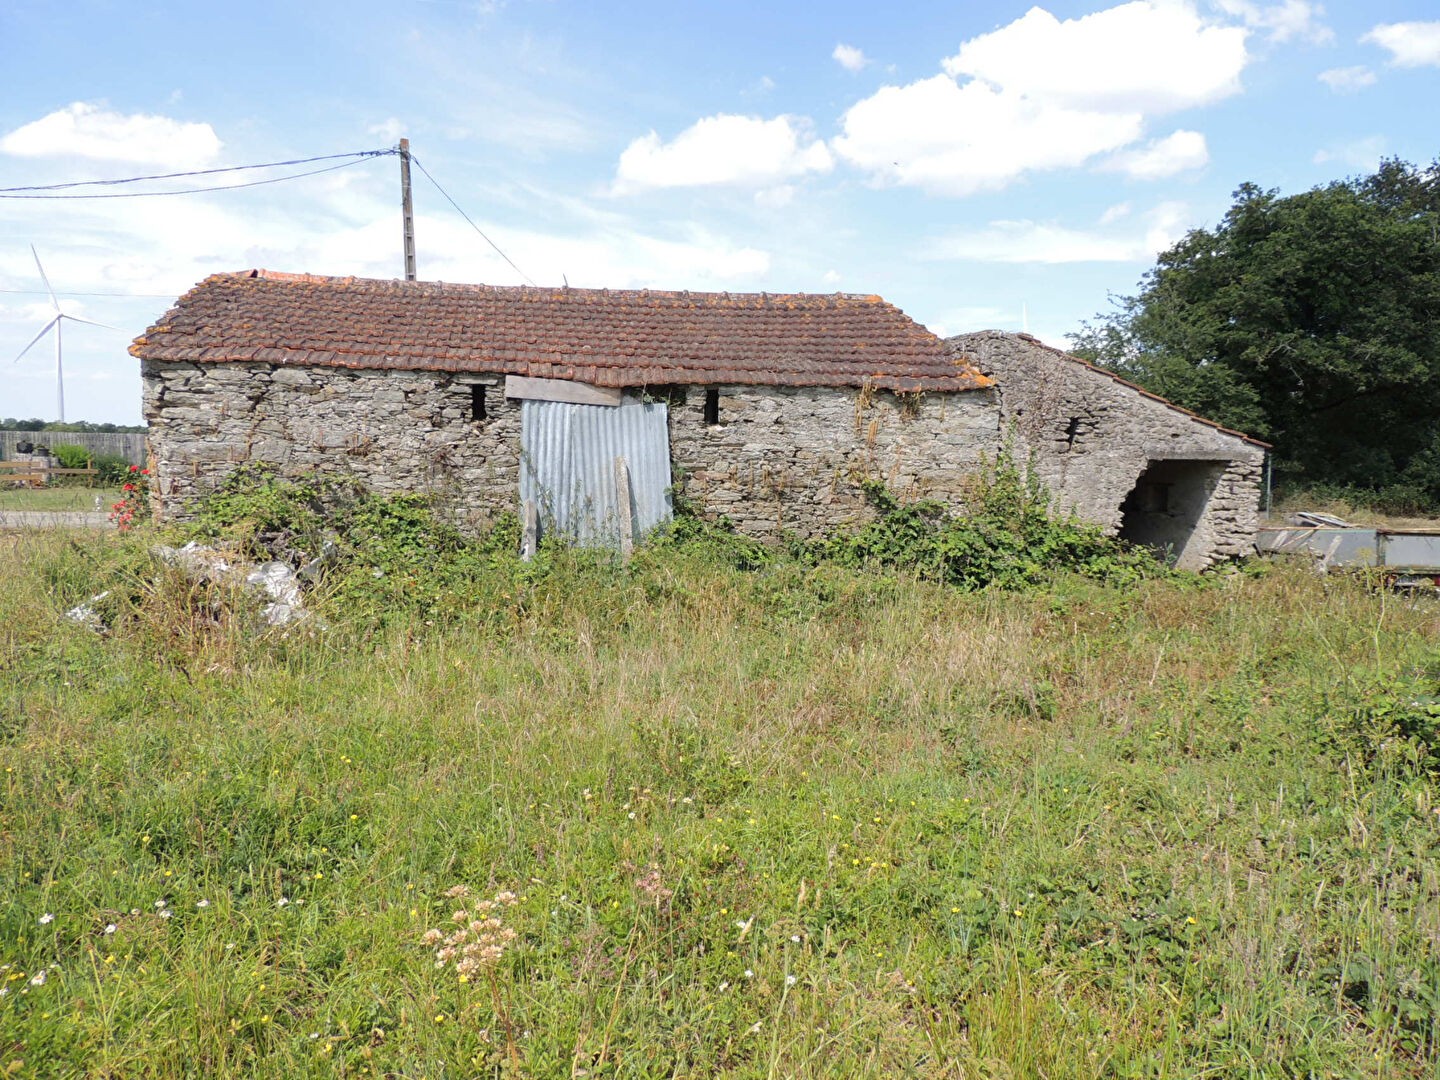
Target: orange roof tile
{"points": [[601, 336]]}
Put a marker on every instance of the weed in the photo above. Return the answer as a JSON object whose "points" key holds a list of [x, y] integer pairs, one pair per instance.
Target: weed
{"points": [[804, 818], [1003, 535]]}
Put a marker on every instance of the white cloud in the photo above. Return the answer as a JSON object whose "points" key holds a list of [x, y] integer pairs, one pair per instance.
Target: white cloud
{"points": [[1114, 213], [1285, 21], [1034, 242], [87, 130], [724, 149], [1051, 243], [1359, 153], [1042, 93], [1347, 80], [775, 198], [849, 57], [957, 140], [1410, 44], [615, 257], [1154, 56], [1178, 152], [389, 129]]}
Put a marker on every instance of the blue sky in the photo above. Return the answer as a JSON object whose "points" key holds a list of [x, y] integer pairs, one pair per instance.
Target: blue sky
{"points": [[981, 165]]}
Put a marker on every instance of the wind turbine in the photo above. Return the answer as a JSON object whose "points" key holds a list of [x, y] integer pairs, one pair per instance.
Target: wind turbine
{"points": [[56, 325]]}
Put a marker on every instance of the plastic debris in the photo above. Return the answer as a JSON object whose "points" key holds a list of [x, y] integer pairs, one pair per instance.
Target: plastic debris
{"points": [[86, 615], [282, 586], [275, 580]]}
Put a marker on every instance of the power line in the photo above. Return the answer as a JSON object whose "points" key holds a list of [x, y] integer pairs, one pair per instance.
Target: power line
{"points": [[355, 158], [472, 224], [199, 172], [194, 191]]}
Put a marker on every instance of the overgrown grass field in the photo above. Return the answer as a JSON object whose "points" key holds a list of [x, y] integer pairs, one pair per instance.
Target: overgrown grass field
{"points": [[58, 497], [796, 819]]}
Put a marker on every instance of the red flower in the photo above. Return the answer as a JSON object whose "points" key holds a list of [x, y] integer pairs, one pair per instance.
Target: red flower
{"points": [[134, 468]]}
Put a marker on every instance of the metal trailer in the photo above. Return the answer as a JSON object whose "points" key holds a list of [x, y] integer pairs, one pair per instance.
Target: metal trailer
{"points": [[1407, 558]]}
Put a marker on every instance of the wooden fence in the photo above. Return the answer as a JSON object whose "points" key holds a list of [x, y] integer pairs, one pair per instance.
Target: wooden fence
{"points": [[32, 474], [129, 446]]}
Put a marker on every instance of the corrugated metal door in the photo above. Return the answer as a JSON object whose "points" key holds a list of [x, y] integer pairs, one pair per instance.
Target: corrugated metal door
{"points": [[568, 468]]}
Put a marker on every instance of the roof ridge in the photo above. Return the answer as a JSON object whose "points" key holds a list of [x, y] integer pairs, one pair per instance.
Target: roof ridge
{"points": [[1031, 339], [305, 278]]}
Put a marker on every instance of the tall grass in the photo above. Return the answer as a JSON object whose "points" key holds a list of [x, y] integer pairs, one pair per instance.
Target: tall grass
{"points": [[790, 821]]}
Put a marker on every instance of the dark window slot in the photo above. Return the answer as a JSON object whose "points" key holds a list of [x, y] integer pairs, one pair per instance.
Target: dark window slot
{"points": [[477, 402], [712, 406]]}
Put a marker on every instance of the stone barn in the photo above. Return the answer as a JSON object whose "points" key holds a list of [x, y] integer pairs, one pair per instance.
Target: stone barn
{"points": [[588, 407], [766, 408], [1120, 456]]}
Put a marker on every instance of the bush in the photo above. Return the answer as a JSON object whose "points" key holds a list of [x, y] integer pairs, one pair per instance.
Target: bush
{"points": [[382, 558], [1389, 717], [1004, 535], [113, 468], [385, 558], [71, 456]]}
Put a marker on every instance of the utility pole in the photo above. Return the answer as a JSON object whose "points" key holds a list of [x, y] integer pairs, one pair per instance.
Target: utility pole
{"points": [[407, 210]]}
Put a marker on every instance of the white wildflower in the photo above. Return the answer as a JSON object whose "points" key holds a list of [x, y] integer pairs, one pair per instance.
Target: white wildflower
{"points": [[749, 974], [46, 918], [110, 928], [789, 980], [202, 903], [282, 901], [39, 979]]}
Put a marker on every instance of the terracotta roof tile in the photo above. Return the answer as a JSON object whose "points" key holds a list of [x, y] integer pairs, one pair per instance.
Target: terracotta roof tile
{"points": [[602, 336]]}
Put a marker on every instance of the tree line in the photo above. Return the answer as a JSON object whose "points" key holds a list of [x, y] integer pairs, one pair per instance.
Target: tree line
{"points": [[1311, 321], [10, 423]]}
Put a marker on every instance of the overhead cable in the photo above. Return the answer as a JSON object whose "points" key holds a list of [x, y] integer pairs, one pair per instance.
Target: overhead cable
{"points": [[5, 194], [452, 202], [201, 172]]}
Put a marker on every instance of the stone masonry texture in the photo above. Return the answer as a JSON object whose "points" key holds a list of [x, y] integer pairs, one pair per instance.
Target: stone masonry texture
{"points": [[793, 459], [1090, 437], [781, 459]]}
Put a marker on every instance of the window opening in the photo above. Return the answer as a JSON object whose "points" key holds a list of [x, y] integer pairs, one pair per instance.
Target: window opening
{"points": [[477, 402], [712, 406]]}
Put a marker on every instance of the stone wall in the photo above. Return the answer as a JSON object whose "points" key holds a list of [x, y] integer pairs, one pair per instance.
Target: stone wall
{"points": [[792, 458], [780, 459], [1092, 438], [396, 431]]}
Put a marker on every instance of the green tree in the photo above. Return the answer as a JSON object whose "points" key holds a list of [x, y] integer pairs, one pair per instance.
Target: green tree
{"points": [[1311, 320]]}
